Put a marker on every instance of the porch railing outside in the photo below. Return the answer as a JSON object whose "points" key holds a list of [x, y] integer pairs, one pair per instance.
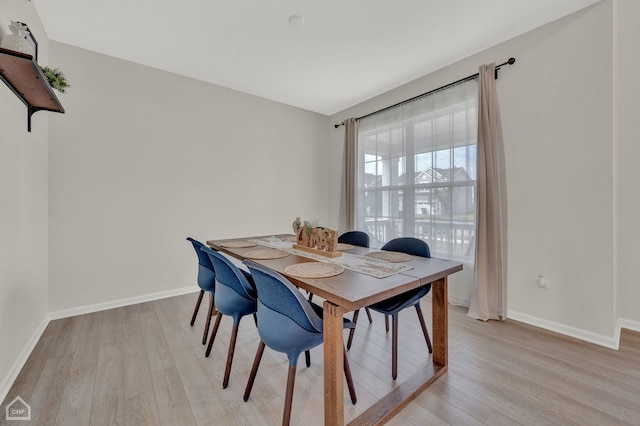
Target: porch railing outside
{"points": [[446, 238]]}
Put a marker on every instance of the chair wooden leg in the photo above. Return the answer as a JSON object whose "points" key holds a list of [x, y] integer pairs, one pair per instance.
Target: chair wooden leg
{"points": [[353, 330], [254, 370], [369, 315], [197, 308], [208, 323], [386, 322], [213, 333], [232, 347], [347, 375], [424, 327], [307, 358], [394, 348], [288, 399]]}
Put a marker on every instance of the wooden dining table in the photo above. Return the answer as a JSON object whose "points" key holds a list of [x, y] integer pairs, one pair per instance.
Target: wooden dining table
{"points": [[352, 290]]}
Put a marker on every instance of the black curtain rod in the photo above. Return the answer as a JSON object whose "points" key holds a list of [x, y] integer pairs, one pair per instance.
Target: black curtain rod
{"points": [[511, 61]]}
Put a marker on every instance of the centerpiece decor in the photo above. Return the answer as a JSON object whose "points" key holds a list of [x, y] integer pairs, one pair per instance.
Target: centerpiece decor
{"points": [[315, 239]]}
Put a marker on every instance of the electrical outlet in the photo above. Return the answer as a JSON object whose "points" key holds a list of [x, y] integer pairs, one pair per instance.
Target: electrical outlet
{"points": [[543, 282]]}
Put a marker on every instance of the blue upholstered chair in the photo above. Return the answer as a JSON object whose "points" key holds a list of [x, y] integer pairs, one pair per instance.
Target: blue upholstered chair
{"points": [[206, 280], [356, 238], [394, 305], [287, 323], [235, 297]]}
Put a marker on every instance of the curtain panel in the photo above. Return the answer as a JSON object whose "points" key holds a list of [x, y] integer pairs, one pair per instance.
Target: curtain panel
{"points": [[351, 169], [489, 300]]}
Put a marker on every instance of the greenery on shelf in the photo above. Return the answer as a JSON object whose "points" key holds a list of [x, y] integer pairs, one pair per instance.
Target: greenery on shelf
{"points": [[56, 78]]}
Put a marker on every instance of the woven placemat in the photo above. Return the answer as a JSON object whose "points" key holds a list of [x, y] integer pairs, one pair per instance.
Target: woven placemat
{"points": [[266, 254], [313, 270], [390, 256], [344, 247], [238, 244]]}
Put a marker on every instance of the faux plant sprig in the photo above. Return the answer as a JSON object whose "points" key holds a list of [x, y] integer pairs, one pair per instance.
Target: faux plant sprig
{"points": [[56, 78], [308, 226]]}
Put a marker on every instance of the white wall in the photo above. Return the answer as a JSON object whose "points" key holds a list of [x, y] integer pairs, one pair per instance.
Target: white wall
{"points": [[560, 183], [23, 211], [627, 154], [144, 158], [556, 104]]}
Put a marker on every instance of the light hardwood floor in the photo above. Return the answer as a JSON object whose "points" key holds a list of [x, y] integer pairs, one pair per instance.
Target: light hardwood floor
{"points": [[143, 364]]}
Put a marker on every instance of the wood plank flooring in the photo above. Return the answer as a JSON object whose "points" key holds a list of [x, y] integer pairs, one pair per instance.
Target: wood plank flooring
{"points": [[144, 365]]}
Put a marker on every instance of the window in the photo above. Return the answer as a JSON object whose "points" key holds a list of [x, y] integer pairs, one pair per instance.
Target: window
{"points": [[417, 171]]}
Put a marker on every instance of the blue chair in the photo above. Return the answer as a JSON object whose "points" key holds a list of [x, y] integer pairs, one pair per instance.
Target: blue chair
{"points": [[394, 305], [235, 297], [356, 238], [287, 323], [206, 280]]}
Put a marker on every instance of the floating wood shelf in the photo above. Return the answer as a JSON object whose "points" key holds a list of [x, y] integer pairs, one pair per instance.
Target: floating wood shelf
{"points": [[23, 76]]}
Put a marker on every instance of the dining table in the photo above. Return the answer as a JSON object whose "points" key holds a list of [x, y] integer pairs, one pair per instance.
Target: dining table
{"points": [[352, 290]]}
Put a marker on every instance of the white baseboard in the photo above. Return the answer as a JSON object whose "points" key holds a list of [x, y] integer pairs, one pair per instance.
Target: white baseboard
{"points": [[81, 310], [628, 324], [598, 339], [11, 376]]}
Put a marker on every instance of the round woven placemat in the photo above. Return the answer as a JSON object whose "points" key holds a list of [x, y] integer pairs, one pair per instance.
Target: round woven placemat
{"points": [[313, 270], [238, 244], [343, 247], [266, 254], [390, 256]]}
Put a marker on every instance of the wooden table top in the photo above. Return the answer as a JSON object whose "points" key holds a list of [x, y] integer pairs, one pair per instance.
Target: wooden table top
{"points": [[353, 290]]}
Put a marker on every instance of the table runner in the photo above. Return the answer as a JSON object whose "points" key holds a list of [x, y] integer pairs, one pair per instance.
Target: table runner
{"points": [[363, 264]]}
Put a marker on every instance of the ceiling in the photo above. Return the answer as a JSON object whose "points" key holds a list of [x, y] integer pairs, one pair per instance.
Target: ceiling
{"points": [[346, 51]]}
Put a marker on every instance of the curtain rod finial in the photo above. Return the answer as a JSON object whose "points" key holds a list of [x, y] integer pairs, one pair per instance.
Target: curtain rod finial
{"points": [[511, 61]]}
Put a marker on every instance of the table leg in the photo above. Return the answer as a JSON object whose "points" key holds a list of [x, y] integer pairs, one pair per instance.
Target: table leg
{"points": [[333, 365], [440, 321]]}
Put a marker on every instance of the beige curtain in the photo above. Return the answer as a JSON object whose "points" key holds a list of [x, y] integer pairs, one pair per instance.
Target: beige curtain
{"points": [[351, 168], [489, 300]]}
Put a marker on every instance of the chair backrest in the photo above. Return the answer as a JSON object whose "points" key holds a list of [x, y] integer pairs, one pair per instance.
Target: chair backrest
{"points": [[229, 275], [278, 294], [356, 238], [206, 273], [203, 259], [408, 245], [414, 247]]}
